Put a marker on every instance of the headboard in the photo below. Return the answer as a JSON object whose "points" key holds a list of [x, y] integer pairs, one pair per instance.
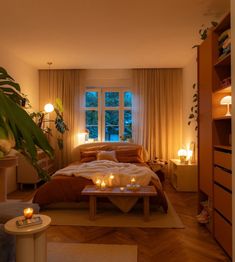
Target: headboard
{"points": [[107, 146]]}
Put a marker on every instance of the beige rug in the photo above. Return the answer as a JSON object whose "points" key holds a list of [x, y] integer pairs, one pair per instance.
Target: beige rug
{"points": [[73, 252], [115, 218]]}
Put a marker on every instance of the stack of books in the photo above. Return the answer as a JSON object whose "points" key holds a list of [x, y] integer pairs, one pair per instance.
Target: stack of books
{"points": [[224, 43]]}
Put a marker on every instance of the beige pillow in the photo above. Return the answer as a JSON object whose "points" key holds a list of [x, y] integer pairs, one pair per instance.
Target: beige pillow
{"points": [[107, 155]]}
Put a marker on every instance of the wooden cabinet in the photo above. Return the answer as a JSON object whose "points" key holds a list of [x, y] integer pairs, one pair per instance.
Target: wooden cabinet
{"points": [[26, 174], [183, 176], [215, 151]]}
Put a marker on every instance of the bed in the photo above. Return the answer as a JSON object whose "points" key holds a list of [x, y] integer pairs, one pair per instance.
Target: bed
{"points": [[95, 160]]}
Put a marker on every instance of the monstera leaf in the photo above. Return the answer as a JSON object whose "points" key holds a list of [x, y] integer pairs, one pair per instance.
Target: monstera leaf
{"points": [[17, 125]]}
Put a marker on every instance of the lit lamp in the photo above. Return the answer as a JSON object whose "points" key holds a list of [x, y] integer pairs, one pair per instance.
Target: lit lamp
{"points": [[182, 154], [48, 108], [28, 213], [226, 100]]}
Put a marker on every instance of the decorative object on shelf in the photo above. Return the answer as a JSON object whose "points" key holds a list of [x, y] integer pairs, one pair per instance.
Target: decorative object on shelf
{"points": [[227, 100], [28, 212], [122, 188], [224, 42], [182, 154], [193, 116], [17, 129]]}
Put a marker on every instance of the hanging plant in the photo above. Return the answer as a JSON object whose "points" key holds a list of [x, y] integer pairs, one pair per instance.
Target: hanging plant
{"points": [[203, 31], [193, 115]]}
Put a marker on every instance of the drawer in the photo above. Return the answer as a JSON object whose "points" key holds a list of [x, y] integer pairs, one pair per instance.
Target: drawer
{"points": [[223, 202], [223, 178], [223, 233], [223, 159]]}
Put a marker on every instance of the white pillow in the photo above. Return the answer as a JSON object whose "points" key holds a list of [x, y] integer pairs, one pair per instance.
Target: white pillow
{"points": [[107, 155]]}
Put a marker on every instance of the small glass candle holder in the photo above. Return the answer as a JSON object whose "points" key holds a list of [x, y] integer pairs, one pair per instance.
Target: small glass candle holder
{"points": [[122, 188], [110, 180], [103, 185], [133, 181], [98, 183], [28, 212]]}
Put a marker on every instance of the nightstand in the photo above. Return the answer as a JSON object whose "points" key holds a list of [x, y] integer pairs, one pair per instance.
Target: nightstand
{"points": [[183, 176]]}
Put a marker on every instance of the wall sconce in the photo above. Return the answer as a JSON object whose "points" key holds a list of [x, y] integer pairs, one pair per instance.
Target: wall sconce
{"points": [[182, 154], [226, 100]]}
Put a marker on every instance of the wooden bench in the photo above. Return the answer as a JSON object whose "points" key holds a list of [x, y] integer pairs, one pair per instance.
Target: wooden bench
{"points": [[144, 191]]}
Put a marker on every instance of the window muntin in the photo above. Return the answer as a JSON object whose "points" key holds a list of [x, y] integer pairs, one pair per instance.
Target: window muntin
{"points": [[108, 113]]}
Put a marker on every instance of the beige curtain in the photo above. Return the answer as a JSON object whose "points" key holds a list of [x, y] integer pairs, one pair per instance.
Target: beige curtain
{"points": [[63, 84], [157, 111]]}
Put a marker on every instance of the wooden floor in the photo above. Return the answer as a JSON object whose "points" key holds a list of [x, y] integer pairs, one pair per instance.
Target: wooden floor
{"points": [[193, 243]]}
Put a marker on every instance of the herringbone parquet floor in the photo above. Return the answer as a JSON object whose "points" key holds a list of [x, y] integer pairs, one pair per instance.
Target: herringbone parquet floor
{"points": [[192, 244]]}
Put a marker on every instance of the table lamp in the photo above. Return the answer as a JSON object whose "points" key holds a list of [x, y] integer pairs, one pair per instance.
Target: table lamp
{"points": [[226, 100], [182, 154]]}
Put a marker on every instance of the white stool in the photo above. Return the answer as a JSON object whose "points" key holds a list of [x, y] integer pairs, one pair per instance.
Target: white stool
{"points": [[30, 241]]}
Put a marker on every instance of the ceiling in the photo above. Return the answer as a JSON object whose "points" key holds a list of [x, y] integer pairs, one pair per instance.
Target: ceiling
{"points": [[106, 33]]}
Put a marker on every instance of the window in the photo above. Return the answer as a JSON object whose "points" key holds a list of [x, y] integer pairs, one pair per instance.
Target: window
{"points": [[108, 113]]}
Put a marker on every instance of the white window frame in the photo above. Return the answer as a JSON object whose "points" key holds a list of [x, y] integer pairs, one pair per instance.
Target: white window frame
{"points": [[101, 108]]}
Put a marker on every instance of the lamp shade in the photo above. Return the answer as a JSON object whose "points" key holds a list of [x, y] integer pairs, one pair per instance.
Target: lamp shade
{"points": [[226, 100], [48, 108], [182, 152]]}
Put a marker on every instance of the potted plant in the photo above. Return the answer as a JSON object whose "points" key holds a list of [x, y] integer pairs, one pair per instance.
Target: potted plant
{"points": [[17, 129]]}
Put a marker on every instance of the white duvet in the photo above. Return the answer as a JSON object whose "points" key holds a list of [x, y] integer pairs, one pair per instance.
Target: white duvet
{"points": [[122, 172]]}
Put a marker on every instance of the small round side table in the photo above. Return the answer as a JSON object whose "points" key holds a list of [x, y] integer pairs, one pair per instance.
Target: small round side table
{"points": [[31, 243]]}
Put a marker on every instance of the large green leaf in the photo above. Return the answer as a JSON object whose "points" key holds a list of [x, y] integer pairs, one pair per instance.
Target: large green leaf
{"points": [[4, 74], [27, 134]]}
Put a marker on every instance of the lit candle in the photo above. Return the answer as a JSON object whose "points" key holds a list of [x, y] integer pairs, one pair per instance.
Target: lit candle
{"points": [[133, 180], [98, 182], [28, 213], [122, 188], [103, 185], [111, 177]]}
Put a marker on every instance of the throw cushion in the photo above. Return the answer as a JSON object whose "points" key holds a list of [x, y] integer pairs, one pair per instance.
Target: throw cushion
{"points": [[88, 156], [129, 155], [107, 155]]}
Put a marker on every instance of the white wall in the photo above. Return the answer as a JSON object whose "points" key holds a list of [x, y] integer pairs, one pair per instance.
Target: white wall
{"points": [[233, 119], [27, 77], [24, 74], [189, 78]]}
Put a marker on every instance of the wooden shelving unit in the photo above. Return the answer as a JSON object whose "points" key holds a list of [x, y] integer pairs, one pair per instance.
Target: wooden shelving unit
{"points": [[215, 151]]}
